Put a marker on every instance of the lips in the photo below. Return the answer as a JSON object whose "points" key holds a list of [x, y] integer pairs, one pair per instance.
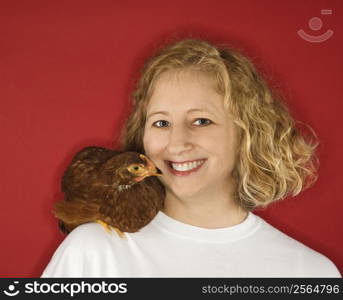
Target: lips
{"points": [[184, 162], [181, 172]]}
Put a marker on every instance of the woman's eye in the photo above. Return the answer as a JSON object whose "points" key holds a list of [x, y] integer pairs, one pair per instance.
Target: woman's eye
{"points": [[161, 123], [164, 123], [204, 122]]}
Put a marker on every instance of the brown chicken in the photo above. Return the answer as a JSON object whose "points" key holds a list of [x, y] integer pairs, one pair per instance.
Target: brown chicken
{"points": [[117, 189]]}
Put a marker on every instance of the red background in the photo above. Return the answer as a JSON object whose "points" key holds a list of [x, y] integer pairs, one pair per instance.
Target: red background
{"points": [[66, 71]]}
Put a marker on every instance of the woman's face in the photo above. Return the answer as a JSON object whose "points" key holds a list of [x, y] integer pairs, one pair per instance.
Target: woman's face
{"points": [[188, 135]]}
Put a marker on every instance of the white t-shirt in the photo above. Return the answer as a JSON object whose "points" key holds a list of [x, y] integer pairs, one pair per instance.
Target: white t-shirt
{"points": [[169, 248]]}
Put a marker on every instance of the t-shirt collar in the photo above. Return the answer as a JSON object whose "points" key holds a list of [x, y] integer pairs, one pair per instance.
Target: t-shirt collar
{"points": [[232, 233]]}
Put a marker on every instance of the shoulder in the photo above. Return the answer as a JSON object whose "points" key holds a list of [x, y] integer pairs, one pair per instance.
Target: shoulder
{"points": [[83, 248], [89, 233], [308, 262], [90, 237]]}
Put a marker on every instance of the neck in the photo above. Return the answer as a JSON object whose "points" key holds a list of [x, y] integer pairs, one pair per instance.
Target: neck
{"points": [[204, 211]]}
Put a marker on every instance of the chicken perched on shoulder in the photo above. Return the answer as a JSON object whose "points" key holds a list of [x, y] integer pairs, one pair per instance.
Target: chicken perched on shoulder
{"points": [[117, 189]]}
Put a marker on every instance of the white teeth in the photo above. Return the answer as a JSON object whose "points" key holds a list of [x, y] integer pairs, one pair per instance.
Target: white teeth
{"points": [[187, 166]]}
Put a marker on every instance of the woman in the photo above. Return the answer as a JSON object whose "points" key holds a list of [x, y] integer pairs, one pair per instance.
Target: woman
{"points": [[225, 146]]}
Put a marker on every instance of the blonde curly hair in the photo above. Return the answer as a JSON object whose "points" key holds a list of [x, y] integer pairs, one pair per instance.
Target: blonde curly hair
{"points": [[274, 157]]}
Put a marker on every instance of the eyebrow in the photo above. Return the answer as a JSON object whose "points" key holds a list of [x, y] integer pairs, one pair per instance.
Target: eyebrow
{"points": [[166, 113]]}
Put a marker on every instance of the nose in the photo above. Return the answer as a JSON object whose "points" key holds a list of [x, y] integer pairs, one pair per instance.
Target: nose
{"points": [[179, 140]]}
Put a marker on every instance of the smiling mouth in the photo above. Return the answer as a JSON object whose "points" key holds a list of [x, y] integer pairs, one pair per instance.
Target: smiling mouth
{"points": [[185, 166]]}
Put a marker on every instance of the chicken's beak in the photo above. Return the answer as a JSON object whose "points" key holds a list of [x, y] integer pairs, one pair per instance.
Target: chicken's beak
{"points": [[150, 169]]}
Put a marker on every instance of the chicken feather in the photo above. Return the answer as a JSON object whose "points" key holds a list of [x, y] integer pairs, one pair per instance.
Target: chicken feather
{"points": [[116, 189]]}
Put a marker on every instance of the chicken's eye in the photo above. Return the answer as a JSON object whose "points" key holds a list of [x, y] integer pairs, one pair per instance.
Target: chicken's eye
{"points": [[134, 168]]}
